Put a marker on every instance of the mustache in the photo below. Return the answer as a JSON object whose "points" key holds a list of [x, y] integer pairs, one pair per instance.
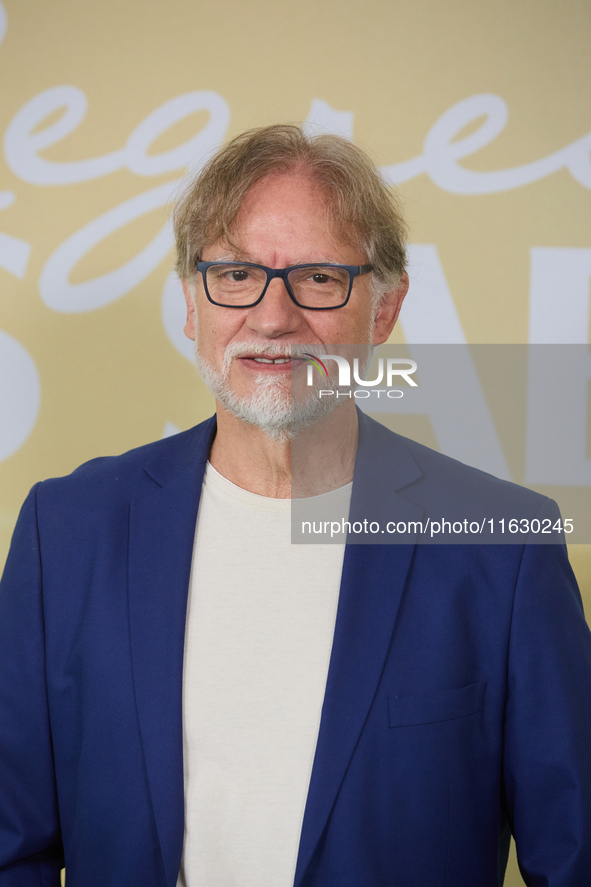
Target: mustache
{"points": [[270, 349]]}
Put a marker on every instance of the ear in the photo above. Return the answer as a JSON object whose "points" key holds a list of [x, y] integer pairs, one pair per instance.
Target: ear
{"points": [[389, 310], [190, 326]]}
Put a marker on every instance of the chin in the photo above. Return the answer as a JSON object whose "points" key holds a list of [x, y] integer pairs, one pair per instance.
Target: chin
{"points": [[270, 407]]}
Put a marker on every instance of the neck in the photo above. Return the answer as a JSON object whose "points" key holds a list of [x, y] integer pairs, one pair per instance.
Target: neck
{"points": [[319, 459]]}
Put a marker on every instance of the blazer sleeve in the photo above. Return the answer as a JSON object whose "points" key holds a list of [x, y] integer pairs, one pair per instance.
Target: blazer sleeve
{"points": [[30, 844], [547, 760]]}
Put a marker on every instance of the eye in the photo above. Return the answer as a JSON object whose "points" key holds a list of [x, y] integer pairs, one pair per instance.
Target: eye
{"points": [[238, 275], [321, 278]]}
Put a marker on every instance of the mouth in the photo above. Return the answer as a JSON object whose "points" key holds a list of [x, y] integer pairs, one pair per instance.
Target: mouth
{"points": [[266, 363]]}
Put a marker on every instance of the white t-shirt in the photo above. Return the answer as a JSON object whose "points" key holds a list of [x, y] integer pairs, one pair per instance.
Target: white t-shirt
{"points": [[260, 624]]}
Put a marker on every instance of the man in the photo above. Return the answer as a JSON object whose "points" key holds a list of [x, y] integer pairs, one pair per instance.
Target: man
{"points": [[188, 698]]}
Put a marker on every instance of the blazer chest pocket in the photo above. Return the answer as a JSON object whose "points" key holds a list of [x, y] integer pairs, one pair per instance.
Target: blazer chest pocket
{"points": [[441, 705]]}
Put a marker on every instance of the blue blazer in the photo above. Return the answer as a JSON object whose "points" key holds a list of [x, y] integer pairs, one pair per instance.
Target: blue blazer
{"points": [[457, 705]]}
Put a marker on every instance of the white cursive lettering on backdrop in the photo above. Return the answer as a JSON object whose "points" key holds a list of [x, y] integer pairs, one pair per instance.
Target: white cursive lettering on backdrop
{"points": [[22, 144], [24, 139], [58, 293], [442, 150], [14, 252], [20, 395]]}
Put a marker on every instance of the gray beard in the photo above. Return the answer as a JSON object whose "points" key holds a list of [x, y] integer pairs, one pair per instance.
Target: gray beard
{"points": [[271, 406]]}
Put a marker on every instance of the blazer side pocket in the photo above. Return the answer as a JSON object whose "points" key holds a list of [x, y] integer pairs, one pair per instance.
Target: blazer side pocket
{"points": [[430, 708]]}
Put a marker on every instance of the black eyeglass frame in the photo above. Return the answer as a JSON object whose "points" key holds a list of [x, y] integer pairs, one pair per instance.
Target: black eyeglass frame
{"points": [[354, 271]]}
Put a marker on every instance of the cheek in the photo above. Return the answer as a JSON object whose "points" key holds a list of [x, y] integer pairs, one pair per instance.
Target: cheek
{"points": [[215, 330], [343, 330]]}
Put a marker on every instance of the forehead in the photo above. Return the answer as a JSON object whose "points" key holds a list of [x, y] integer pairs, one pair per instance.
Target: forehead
{"points": [[290, 209], [287, 190]]}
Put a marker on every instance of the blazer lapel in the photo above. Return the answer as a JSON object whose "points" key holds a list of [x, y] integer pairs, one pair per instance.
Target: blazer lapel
{"points": [[372, 584], [162, 529]]}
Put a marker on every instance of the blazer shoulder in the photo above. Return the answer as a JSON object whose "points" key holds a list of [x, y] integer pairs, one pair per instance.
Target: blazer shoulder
{"points": [[433, 478], [112, 477]]}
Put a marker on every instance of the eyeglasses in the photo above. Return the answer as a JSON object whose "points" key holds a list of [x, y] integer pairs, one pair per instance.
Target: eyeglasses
{"points": [[243, 284]]}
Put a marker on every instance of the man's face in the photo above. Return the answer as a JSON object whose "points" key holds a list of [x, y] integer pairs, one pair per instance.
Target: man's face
{"points": [[282, 222]]}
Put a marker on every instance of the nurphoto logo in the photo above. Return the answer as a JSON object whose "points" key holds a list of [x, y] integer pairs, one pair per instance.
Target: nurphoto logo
{"points": [[395, 370]]}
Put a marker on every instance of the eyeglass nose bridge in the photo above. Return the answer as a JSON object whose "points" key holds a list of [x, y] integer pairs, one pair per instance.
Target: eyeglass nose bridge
{"points": [[283, 274]]}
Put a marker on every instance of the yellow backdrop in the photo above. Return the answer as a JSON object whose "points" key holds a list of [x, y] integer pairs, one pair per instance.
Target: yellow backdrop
{"points": [[479, 110]]}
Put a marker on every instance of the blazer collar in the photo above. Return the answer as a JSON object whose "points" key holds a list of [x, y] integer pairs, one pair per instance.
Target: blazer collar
{"points": [[185, 452]]}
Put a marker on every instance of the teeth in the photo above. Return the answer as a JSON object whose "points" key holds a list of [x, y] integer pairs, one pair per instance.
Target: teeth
{"points": [[277, 360]]}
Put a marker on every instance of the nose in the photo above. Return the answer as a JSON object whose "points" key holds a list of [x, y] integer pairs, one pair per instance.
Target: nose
{"points": [[276, 315]]}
